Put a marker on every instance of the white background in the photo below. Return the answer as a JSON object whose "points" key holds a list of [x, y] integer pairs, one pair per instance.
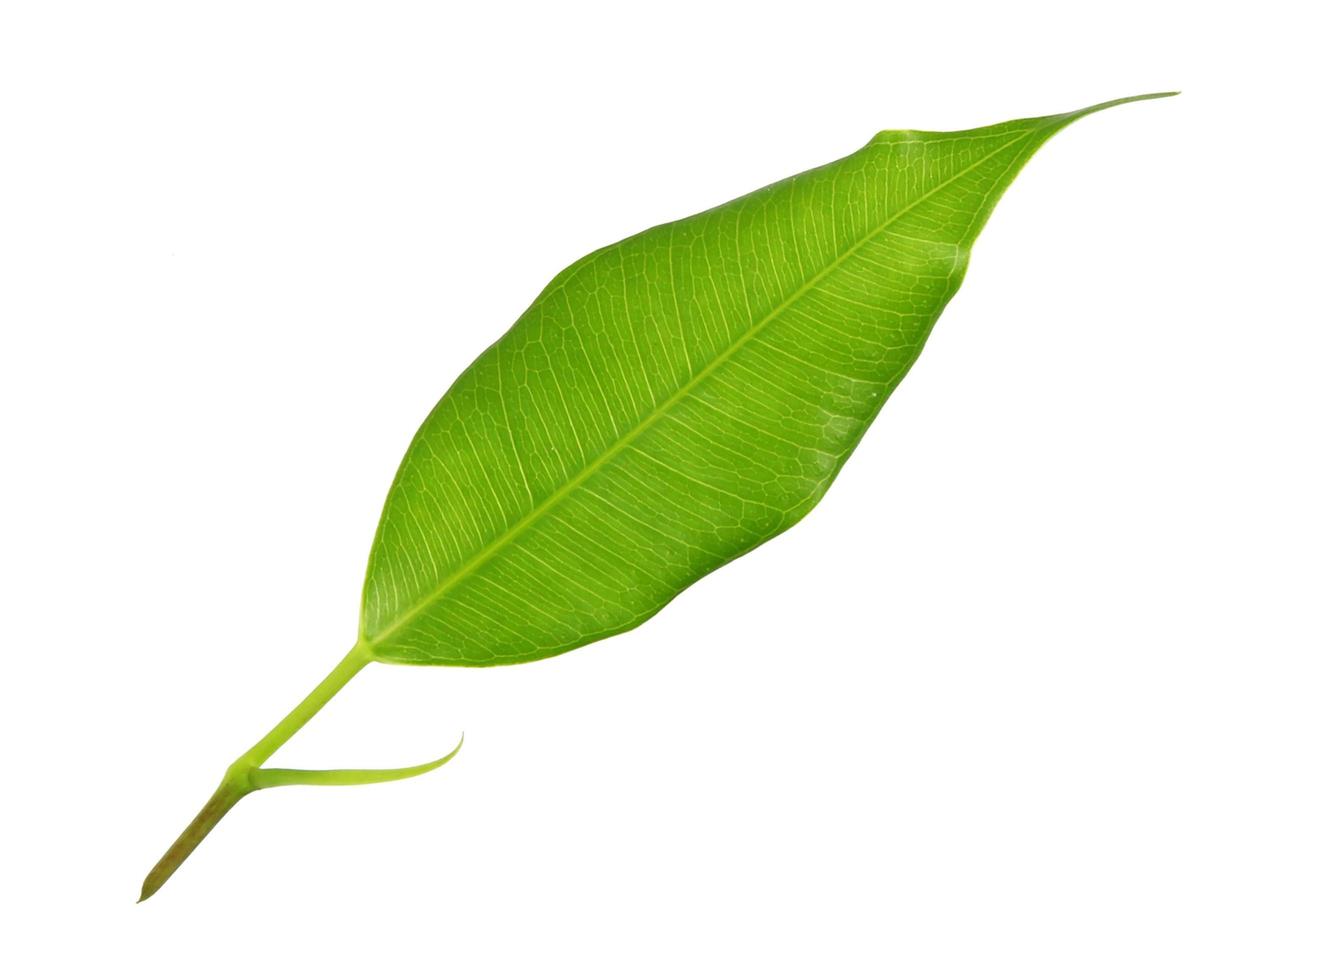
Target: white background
{"points": [[1039, 691]]}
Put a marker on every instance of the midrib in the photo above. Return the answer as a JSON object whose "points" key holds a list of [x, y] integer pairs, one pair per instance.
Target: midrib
{"points": [[661, 410]]}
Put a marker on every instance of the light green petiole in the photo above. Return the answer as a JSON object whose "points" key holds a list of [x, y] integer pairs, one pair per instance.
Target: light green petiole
{"points": [[247, 774]]}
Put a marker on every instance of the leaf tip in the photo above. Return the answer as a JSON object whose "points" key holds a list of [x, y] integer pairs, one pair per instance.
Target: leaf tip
{"points": [[1068, 117]]}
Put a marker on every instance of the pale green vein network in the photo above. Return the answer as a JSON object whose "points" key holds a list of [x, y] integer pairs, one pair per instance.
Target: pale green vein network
{"points": [[664, 408]]}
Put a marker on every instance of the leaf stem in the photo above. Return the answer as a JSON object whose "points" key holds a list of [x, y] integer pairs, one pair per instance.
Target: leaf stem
{"points": [[239, 780], [227, 796], [349, 666]]}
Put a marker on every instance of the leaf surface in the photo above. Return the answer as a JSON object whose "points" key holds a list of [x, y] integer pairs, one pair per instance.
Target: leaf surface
{"points": [[674, 400]]}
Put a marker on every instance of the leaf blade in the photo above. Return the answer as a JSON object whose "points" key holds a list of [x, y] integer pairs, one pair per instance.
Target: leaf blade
{"points": [[674, 400]]}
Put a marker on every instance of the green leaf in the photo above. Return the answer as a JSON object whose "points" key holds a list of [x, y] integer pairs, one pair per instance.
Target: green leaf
{"points": [[674, 400], [667, 404]]}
